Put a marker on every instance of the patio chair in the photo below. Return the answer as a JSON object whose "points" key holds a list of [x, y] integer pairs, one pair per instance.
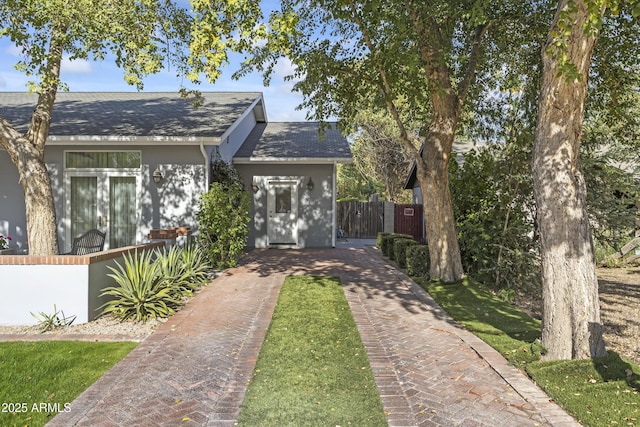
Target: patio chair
{"points": [[88, 242]]}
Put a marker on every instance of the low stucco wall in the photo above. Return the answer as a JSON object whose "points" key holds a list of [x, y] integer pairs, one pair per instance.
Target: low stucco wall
{"points": [[33, 284]]}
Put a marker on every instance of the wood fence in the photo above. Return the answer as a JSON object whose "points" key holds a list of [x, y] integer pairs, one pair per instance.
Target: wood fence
{"points": [[409, 219], [364, 220], [361, 220]]}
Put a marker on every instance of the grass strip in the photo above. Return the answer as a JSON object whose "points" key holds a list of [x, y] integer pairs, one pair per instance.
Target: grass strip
{"points": [[600, 392], [507, 329], [312, 369], [40, 379]]}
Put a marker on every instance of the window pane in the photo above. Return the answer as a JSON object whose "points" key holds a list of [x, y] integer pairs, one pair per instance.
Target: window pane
{"points": [[122, 205], [103, 160], [283, 199], [84, 204]]}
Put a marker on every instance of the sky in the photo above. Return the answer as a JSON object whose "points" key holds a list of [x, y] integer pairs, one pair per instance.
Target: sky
{"points": [[105, 76]]}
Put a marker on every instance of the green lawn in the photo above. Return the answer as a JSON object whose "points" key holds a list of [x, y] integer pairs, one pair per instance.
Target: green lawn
{"points": [[601, 392], [40, 379], [312, 369]]}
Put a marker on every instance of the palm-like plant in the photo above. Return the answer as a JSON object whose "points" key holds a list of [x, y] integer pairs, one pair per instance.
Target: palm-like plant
{"points": [[196, 264], [143, 292]]}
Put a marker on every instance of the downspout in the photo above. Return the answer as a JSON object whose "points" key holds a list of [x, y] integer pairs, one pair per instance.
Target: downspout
{"points": [[206, 163], [335, 202]]}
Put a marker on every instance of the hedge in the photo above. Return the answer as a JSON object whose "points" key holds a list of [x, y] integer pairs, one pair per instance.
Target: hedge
{"points": [[387, 243], [400, 247], [418, 260]]}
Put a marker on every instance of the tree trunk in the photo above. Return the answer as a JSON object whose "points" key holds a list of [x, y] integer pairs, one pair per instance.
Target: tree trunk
{"points": [[41, 214], [433, 176], [571, 326], [36, 187], [27, 154]]}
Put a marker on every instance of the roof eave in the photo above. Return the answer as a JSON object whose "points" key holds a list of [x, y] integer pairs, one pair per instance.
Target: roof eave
{"points": [[292, 160], [97, 140]]}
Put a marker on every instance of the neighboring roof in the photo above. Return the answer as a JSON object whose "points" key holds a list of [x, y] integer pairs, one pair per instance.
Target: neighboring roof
{"points": [[123, 115], [294, 141]]}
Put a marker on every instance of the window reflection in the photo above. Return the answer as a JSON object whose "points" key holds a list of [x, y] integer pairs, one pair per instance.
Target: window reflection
{"points": [[283, 199]]}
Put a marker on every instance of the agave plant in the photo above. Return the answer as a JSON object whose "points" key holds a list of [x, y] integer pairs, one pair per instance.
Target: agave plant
{"points": [[171, 268], [185, 267], [196, 263], [143, 292]]}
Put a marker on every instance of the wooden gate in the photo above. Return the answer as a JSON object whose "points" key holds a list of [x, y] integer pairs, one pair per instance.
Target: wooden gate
{"points": [[409, 219], [361, 220]]}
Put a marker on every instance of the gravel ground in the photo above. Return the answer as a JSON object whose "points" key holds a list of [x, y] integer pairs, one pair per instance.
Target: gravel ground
{"points": [[620, 310], [619, 290], [105, 325]]}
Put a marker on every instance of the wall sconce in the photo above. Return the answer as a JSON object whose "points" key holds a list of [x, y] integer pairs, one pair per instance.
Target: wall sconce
{"points": [[157, 176], [254, 185], [310, 184]]}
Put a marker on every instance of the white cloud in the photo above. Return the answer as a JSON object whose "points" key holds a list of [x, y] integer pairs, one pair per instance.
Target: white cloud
{"points": [[76, 66], [3, 82], [14, 50], [283, 68]]}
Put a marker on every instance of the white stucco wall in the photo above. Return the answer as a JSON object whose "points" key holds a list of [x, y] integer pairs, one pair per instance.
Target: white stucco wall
{"points": [[36, 288]]}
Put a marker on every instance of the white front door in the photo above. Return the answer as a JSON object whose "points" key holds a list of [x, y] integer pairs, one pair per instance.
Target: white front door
{"points": [[282, 205], [106, 201]]}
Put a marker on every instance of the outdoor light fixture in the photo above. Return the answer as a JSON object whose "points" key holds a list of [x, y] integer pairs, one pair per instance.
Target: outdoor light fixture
{"points": [[310, 184], [254, 186], [157, 176]]}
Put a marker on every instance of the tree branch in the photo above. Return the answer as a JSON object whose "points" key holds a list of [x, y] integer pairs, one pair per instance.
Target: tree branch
{"points": [[385, 87], [474, 57], [41, 117]]}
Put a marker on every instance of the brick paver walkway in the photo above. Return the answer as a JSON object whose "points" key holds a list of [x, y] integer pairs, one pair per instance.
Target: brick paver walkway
{"points": [[194, 369]]}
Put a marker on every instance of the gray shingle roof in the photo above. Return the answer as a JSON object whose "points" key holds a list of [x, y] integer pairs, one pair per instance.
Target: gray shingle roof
{"points": [[296, 140], [131, 113]]}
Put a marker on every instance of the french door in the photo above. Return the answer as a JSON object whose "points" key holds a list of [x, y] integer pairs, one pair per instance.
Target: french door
{"points": [[106, 201]]}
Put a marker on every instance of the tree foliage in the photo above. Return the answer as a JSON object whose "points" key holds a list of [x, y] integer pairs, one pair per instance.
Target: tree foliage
{"points": [[352, 185]]}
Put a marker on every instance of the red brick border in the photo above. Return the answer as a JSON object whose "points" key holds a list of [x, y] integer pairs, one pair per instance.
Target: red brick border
{"points": [[74, 259]]}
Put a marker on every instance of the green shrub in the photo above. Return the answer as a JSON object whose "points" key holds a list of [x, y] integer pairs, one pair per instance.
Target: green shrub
{"points": [[380, 238], [388, 242], [400, 250], [495, 214], [143, 292], [223, 220], [418, 260]]}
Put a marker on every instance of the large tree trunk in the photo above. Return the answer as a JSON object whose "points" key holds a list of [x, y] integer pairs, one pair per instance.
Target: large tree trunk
{"points": [[571, 326], [41, 214], [36, 186], [433, 176], [27, 154]]}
